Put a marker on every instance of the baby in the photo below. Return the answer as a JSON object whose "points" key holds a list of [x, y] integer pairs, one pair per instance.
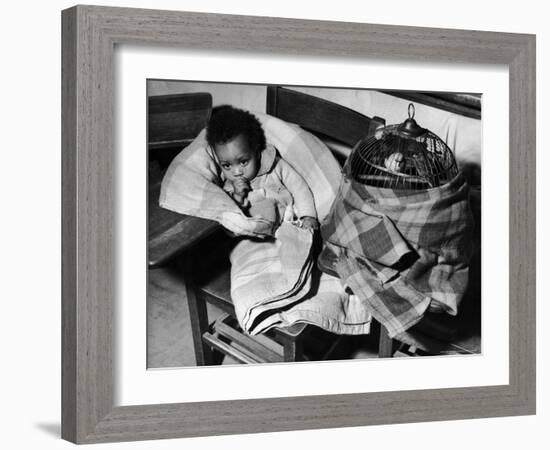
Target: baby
{"points": [[254, 174]]}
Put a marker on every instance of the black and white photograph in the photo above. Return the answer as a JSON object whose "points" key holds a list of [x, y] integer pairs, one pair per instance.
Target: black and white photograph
{"points": [[303, 223]]}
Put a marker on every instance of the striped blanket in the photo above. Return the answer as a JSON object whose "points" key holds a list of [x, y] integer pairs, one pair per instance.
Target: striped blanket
{"points": [[274, 282], [402, 252], [269, 275]]}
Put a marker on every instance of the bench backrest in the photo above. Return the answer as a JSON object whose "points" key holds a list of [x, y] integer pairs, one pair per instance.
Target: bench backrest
{"points": [[321, 117], [176, 119]]}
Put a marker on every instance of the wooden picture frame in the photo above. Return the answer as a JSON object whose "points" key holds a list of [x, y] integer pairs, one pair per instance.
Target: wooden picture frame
{"points": [[89, 36]]}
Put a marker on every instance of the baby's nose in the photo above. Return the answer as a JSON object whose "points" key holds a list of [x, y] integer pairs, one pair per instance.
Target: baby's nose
{"points": [[237, 171]]}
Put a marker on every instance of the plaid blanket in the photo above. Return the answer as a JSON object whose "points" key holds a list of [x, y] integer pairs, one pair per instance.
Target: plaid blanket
{"points": [[402, 251], [274, 281]]}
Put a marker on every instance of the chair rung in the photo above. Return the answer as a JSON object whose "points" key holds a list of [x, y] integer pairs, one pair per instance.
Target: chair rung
{"points": [[222, 327], [227, 349]]}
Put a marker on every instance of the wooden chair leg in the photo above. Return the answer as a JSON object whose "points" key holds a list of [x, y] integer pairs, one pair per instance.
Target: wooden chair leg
{"points": [[385, 344], [292, 350], [199, 325]]}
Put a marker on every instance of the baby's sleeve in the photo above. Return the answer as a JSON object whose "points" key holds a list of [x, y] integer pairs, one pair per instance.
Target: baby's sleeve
{"points": [[298, 188]]}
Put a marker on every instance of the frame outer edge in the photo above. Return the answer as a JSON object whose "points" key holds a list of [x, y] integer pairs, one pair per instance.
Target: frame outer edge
{"points": [[522, 283], [88, 225], [68, 246], [291, 36], [96, 224]]}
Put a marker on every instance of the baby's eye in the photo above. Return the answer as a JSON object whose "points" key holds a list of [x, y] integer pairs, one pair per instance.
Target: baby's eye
{"points": [[244, 162], [226, 166]]}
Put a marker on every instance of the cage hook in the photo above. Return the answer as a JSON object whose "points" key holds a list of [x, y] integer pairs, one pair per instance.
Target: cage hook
{"points": [[411, 111]]}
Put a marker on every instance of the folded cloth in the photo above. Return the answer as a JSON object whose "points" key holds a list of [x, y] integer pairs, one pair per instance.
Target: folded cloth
{"points": [[271, 274], [326, 305], [275, 283], [401, 250]]}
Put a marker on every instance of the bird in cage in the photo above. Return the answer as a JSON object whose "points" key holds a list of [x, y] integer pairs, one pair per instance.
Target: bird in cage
{"points": [[395, 162], [402, 156]]}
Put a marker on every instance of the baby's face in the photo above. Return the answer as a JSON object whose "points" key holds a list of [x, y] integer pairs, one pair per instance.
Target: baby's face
{"points": [[237, 159]]}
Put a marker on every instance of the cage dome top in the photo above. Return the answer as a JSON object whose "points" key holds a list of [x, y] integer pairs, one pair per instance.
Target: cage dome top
{"points": [[402, 156]]}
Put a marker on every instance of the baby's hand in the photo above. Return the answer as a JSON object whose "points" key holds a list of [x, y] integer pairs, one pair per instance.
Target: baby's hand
{"points": [[241, 189], [310, 223], [241, 186]]}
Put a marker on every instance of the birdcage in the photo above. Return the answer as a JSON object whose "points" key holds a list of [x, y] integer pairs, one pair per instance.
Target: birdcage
{"points": [[402, 156]]}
